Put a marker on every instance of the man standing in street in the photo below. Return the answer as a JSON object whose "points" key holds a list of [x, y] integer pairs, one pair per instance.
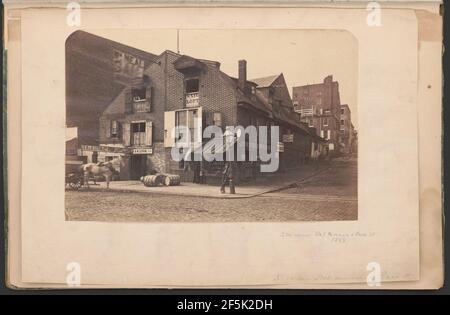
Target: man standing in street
{"points": [[227, 178]]}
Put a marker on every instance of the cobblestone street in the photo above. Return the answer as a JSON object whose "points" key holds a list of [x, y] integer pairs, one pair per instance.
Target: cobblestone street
{"points": [[329, 196]]}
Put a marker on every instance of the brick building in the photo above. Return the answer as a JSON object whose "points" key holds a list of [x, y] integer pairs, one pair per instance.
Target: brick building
{"points": [[346, 129], [178, 90], [97, 70], [319, 106]]}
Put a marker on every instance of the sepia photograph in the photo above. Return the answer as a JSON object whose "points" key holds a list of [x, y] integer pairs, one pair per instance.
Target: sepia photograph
{"points": [[211, 126], [221, 146]]}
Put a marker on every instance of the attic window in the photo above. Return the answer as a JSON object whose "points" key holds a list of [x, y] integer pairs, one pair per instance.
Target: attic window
{"points": [[138, 94], [192, 86]]}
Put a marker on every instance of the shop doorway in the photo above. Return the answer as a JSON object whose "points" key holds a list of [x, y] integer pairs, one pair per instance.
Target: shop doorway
{"points": [[138, 166]]}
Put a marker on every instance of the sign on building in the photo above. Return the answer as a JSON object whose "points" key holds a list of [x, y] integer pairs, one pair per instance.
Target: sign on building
{"points": [[288, 138], [280, 147], [142, 151]]}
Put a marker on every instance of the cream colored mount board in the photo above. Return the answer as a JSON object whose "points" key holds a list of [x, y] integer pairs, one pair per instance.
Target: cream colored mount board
{"points": [[397, 90]]}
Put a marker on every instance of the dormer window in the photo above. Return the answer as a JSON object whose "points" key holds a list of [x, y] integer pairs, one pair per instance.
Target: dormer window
{"points": [[192, 92], [139, 94]]}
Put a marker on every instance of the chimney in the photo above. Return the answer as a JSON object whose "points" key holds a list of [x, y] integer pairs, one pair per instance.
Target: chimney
{"points": [[328, 79], [242, 79]]}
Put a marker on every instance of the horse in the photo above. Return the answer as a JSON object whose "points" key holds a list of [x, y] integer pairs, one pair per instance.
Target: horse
{"points": [[102, 168]]}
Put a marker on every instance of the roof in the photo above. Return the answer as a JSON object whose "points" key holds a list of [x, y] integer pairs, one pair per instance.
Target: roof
{"points": [[265, 81], [282, 113], [243, 97]]}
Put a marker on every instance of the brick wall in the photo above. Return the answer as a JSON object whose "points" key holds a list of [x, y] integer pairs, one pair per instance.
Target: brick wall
{"points": [[156, 160], [215, 93]]}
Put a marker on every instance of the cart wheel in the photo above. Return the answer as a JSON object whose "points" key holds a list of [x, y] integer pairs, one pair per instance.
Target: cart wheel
{"points": [[75, 185]]}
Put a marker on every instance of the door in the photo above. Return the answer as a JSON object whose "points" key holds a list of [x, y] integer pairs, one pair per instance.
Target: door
{"points": [[138, 166]]}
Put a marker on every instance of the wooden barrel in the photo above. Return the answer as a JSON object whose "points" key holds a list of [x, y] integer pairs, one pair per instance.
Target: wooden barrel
{"points": [[151, 180], [172, 180]]}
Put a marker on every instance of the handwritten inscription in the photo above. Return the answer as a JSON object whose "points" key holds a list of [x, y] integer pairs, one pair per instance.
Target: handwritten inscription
{"points": [[334, 237]]}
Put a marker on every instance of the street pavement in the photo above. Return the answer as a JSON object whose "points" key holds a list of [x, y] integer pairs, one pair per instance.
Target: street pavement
{"points": [[264, 184], [326, 193]]}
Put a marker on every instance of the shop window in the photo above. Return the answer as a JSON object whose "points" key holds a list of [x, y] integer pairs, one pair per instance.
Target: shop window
{"points": [[187, 119]]}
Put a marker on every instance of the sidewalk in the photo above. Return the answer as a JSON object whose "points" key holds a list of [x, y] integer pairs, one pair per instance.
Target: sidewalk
{"points": [[262, 185]]}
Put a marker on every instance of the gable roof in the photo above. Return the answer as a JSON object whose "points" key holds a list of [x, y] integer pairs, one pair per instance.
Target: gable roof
{"points": [[265, 81]]}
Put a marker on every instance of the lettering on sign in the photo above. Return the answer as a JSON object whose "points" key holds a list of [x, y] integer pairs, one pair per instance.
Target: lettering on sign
{"points": [[288, 138], [142, 151], [280, 147]]}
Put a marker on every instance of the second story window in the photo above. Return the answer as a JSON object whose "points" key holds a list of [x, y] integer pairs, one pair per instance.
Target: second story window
{"points": [[325, 121], [192, 92], [138, 133], [139, 100]]}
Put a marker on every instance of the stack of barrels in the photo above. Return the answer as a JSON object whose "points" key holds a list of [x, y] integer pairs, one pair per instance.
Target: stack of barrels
{"points": [[152, 180], [166, 179], [172, 180]]}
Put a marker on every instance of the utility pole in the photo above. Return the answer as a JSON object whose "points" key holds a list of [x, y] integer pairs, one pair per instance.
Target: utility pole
{"points": [[178, 41]]}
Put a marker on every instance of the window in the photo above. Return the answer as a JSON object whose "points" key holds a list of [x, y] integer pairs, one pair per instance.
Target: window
{"points": [[342, 122], [139, 94], [138, 133], [328, 134], [192, 92], [310, 123], [192, 85], [188, 119], [325, 121], [114, 129], [342, 111]]}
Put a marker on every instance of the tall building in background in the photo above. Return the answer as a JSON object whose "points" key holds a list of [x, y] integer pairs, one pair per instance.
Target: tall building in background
{"points": [[97, 70], [319, 106], [346, 129]]}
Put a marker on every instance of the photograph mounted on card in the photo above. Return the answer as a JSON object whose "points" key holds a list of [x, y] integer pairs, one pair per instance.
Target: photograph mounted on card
{"points": [[215, 146]]}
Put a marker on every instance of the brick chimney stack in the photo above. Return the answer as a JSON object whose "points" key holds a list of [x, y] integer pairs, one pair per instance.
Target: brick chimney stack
{"points": [[242, 79]]}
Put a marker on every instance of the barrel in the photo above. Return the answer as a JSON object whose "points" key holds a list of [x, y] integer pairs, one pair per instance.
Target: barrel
{"points": [[172, 180], [151, 180]]}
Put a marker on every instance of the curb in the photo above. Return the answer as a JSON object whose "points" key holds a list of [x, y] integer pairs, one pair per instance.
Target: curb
{"points": [[227, 196]]}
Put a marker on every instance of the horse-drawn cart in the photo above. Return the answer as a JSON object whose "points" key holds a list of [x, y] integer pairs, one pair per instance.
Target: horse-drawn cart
{"points": [[74, 175], [74, 180]]}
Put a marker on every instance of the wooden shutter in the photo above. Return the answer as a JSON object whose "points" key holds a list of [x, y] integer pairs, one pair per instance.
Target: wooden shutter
{"points": [[126, 134], [199, 131], [107, 124], [148, 96], [209, 118], [218, 119], [169, 125], [148, 133], [128, 101]]}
